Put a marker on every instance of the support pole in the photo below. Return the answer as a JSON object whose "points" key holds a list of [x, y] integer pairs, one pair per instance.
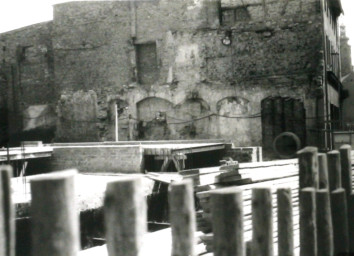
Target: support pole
{"points": [[116, 121], [227, 222], [340, 221], [285, 222], [182, 218], [55, 222], [346, 167], [324, 223], [308, 235], [308, 167], [262, 222], [125, 216], [334, 170]]}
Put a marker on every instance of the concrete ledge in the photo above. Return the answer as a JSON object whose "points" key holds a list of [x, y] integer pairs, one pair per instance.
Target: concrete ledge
{"points": [[98, 159]]}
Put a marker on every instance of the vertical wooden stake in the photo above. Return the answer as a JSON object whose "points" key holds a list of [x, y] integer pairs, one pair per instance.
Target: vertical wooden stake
{"points": [[308, 167], [351, 222], [249, 248], [262, 222], [285, 222], [182, 218], [7, 213], [346, 167], [227, 222], [125, 216], [308, 236], [340, 221], [334, 170], [324, 223], [322, 171], [55, 221]]}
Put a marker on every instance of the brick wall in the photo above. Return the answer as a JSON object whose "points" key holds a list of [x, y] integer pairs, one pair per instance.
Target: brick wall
{"points": [[102, 158]]}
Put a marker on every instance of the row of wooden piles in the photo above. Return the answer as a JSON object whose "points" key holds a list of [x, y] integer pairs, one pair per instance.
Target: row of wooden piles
{"points": [[325, 200], [314, 216]]}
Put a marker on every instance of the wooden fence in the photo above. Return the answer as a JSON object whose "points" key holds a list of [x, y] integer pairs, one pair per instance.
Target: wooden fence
{"points": [[325, 204]]}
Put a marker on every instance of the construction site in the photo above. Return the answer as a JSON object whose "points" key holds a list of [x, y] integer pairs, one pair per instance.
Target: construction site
{"points": [[184, 128]]}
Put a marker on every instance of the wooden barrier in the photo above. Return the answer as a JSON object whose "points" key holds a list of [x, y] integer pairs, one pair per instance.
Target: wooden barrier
{"points": [[245, 213], [340, 221], [7, 213], [182, 218], [227, 221], [285, 222], [262, 222], [125, 217], [324, 223], [346, 168], [351, 222], [308, 167], [55, 222], [334, 170], [322, 171], [308, 235]]}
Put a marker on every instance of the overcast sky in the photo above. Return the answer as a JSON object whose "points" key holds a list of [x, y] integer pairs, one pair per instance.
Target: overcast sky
{"points": [[19, 13]]}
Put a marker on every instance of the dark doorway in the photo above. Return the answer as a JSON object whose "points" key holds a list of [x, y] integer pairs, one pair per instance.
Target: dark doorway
{"points": [[279, 115]]}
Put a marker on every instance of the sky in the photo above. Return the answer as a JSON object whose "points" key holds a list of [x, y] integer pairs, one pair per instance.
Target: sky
{"points": [[19, 13]]}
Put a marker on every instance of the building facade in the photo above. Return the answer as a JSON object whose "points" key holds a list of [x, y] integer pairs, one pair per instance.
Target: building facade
{"points": [[347, 80], [244, 70]]}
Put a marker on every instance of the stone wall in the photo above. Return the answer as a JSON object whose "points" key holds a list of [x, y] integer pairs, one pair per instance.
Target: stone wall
{"points": [[27, 65], [203, 88]]}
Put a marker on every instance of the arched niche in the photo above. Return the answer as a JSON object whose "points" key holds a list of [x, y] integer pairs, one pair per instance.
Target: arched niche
{"points": [[233, 106], [195, 110], [149, 108], [152, 113], [233, 120]]}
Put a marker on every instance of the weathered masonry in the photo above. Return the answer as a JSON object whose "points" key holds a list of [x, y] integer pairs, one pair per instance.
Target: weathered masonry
{"points": [[241, 70]]}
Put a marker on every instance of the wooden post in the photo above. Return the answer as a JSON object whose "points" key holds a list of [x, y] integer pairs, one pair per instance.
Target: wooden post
{"points": [[322, 171], [308, 167], [182, 218], [308, 236], [351, 222], [125, 216], [55, 221], [7, 213], [227, 222], [346, 167], [262, 222], [340, 221], [285, 222], [334, 170], [324, 223], [249, 248]]}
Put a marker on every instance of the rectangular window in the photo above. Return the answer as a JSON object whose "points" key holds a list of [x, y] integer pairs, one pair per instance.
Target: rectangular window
{"points": [[146, 59], [232, 15]]}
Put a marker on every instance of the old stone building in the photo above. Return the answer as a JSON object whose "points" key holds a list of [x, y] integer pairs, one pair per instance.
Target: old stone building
{"points": [[347, 80], [244, 70]]}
